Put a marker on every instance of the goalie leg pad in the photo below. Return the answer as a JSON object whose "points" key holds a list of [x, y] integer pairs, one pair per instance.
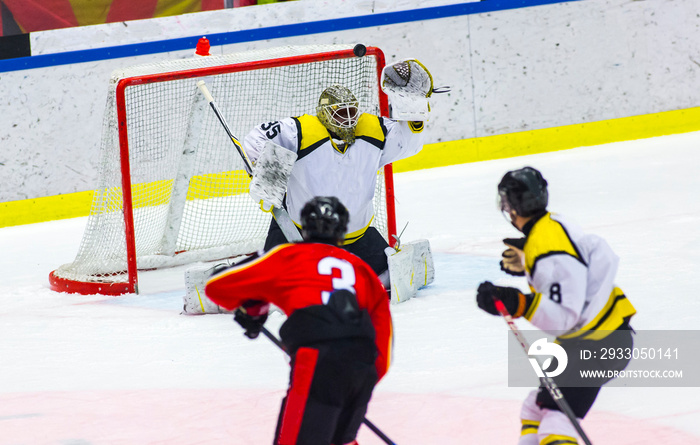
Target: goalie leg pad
{"points": [[410, 269], [195, 301], [270, 175], [423, 265], [401, 274]]}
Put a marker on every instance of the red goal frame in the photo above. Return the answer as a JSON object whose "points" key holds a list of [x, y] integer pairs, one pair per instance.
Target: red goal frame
{"points": [[131, 286]]}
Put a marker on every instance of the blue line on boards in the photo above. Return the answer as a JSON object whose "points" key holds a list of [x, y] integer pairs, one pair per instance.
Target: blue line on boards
{"points": [[273, 32]]}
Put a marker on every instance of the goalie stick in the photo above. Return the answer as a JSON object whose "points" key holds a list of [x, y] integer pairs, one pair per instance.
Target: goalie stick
{"points": [[369, 424], [547, 382], [281, 216]]}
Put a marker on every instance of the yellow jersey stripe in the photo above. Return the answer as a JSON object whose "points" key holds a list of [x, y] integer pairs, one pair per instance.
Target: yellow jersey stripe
{"points": [[357, 234], [349, 237], [555, 439], [611, 317], [529, 427], [548, 237], [312, 134], [371, 129]]}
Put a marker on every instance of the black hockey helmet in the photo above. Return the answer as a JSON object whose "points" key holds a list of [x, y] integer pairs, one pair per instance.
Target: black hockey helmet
{"points": [[523, 191], [324, 219]]}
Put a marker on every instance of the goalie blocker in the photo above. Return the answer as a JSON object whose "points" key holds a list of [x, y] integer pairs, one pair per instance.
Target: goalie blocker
{"points": [[411, 268], [270, 176]]}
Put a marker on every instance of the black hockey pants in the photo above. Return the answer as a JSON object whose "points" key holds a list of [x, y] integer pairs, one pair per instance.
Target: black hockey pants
{"points": [[580, 394], [330, 386]]}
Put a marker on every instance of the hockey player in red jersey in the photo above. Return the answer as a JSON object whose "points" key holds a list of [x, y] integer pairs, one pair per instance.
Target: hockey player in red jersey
{"points": [[338, 331]]}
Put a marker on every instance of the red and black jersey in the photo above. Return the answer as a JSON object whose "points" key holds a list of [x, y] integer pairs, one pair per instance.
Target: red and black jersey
{"points": [[295, 276]]}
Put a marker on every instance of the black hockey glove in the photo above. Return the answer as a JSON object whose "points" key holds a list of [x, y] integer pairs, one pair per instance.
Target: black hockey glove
{"points": [[251, 315], [512, 262], [515, 301]]}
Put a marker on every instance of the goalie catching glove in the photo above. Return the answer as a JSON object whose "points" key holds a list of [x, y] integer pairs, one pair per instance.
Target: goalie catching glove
{"points": [[252, 315], [515, 301], [409, 84]]}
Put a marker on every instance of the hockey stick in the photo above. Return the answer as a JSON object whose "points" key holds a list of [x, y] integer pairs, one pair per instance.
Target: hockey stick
{"points": [[369, 424], [548, 383], [285, 223]]}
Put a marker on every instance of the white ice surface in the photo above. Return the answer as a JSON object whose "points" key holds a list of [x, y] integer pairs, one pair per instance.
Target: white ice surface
{"points": [[77, 370]]}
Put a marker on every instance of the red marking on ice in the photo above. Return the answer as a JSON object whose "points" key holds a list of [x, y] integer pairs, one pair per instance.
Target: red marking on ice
{"points": [[248, 417], [434, 419]]}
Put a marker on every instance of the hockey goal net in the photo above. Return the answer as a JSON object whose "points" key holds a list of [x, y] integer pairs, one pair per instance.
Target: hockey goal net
{"points": [[172, 188]]}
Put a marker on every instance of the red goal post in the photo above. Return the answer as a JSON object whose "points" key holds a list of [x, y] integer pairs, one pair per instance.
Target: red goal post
{"points": [[172, 189]]}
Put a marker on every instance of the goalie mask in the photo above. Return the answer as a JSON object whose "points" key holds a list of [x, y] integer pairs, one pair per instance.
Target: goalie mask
{"points": [[324, 219], [338, 111]]}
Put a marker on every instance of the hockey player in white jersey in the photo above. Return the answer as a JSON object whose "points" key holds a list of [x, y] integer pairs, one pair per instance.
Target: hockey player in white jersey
{"points": [[338, 153], [571, 275]]}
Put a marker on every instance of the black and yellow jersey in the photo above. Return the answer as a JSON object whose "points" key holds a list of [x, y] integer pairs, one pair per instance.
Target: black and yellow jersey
{"points": [[572, 275], [326, 168]]}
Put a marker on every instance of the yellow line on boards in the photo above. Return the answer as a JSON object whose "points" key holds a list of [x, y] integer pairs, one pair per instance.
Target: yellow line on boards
{"points": [[552, 139], [72, 205], [49, 208]]}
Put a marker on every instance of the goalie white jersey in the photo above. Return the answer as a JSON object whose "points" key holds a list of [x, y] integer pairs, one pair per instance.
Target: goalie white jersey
{"points": [[324, 168]]}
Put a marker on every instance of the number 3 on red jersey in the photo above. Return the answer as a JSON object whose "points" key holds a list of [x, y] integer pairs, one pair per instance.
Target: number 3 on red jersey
{"points": [[346, 280]]}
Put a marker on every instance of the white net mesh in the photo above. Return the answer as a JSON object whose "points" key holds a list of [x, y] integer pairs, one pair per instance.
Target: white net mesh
{"points": [[188, 185]]}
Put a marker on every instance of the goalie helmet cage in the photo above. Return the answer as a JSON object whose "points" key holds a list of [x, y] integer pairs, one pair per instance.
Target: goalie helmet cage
{"points": [[172, 188]]}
